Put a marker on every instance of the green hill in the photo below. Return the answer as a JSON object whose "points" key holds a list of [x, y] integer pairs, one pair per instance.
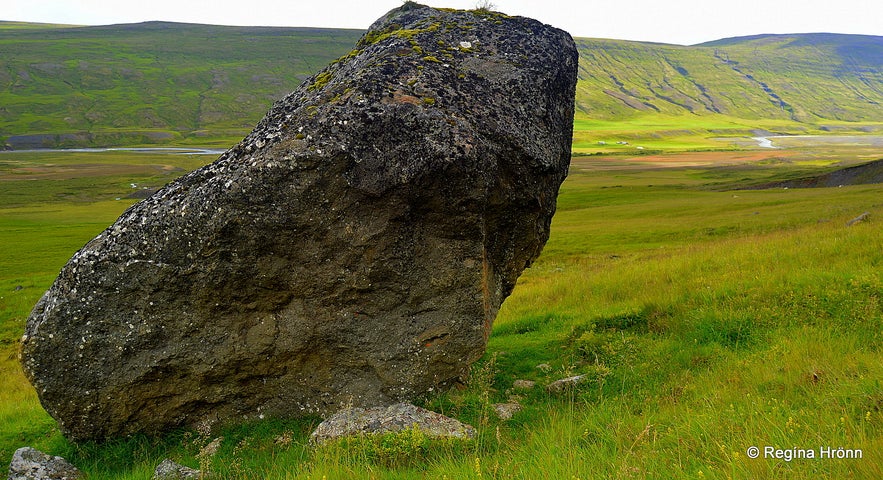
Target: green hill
{"points": [[160, 82], [152, 82], [808, 78]]}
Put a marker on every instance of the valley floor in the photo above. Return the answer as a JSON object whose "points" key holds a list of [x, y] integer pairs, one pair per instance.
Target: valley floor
{"points": [[708, 319]]}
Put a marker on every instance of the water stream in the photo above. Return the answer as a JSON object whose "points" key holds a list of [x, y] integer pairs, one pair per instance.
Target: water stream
{"points": [[763, 142], [169, 150]]}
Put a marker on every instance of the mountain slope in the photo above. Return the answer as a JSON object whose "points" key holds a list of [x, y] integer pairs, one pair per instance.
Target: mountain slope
{"points": [[866, 173], [805, 78], [179, 79], [159, 82]]}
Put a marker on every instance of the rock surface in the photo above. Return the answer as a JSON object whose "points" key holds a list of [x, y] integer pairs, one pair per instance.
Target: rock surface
{"points": [[524, 384], [395, 418], [565, 384], [859, 219], [506, 411], [169, 470], [30, 464], [354, 249]]}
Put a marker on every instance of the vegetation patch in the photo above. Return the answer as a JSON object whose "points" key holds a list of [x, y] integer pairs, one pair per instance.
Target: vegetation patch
{"points": [[693, 346], [405, 449], [321, 80]]}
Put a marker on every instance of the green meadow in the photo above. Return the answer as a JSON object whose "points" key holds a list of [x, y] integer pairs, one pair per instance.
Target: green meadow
{"points": [[706, 318]]}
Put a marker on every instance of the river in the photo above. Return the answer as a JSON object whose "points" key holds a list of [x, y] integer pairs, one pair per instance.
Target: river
{"points": [[786, 141], [169, 150], [763, 142]]}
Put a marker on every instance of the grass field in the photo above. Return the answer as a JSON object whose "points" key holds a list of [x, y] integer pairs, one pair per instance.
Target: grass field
{"points": [[707, 320]]}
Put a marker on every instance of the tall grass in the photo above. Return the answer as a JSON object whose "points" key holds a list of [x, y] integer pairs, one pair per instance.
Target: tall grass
{"points": [[705, 322]]}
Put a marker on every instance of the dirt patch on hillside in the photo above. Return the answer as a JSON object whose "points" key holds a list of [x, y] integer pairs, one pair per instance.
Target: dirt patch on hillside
{"points": [[68, 172], [681, 160]]}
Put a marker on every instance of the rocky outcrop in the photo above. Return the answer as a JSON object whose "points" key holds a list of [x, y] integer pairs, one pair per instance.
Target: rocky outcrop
{"points": [[353, 250], [30, 464], [395, 418]]}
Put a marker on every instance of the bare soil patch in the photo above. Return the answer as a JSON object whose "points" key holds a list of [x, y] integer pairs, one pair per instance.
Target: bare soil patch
{"points": [[681, 160], [68, 172]]}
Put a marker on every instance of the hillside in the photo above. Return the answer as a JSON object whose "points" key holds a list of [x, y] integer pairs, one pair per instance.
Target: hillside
{"points": [[162, 82], [866, 173], [153, 81], [810, 78]]}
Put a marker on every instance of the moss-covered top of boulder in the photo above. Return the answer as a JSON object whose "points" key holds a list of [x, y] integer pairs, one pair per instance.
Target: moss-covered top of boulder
{"points": [[393, 57], [413, 35]]}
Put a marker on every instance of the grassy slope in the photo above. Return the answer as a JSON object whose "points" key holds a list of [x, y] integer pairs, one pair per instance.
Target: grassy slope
{"points": [[707, 321], [804, 78], [183, 80], [654, 93], [163, 82]]}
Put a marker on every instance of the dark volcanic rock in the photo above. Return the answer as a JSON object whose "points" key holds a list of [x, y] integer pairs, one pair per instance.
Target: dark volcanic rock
{"points": [[353, 249]]}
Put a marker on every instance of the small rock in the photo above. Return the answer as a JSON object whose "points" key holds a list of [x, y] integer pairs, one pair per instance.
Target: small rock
{"points": [[524, 384], [395, 418], [18, 288], [505, 410], [30, 464], [861, 218], [545, 367], [169, 470], [564, 384]]}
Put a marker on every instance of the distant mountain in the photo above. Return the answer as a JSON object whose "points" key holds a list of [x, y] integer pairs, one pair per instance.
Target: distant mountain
{"points": [[161, 82], [807, 78]]}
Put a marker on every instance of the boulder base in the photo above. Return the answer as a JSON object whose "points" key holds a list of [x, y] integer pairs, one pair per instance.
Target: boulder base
{"points": [[353, 250]]}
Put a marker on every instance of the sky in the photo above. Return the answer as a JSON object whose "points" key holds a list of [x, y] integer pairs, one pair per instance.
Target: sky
{"points": [[683, 22]]}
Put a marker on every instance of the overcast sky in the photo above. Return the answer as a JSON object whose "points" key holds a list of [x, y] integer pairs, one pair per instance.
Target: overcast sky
{"points": [[684, 22]]}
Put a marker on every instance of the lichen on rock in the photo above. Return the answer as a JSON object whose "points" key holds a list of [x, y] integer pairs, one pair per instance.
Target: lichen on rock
{"points": [[31, 464], [395, 418], [354, 249]]}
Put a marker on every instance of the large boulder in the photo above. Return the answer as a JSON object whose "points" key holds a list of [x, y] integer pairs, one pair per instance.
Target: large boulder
{"points": [[352, 250]]}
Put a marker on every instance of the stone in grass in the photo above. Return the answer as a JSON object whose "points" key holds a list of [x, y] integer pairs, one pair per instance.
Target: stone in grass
{"points": [[505, 411], [524, 384], [30, 464], [859, 219], [565, 384], [169, 470], [391, 419]]}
